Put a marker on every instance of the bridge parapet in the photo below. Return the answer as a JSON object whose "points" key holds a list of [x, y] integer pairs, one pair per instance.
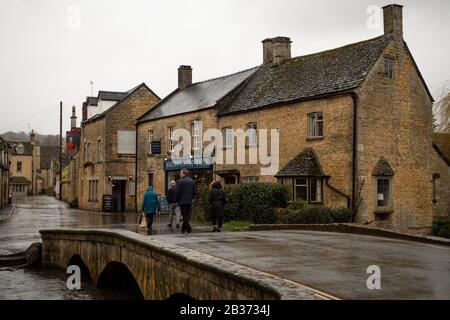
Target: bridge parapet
{"points": [[162, 270]]}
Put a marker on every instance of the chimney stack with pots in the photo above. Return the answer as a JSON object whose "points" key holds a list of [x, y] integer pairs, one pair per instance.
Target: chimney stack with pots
{"points": [[184, 76]]}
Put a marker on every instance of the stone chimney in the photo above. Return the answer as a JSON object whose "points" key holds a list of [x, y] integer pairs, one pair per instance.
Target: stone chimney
{"points": [[267, 50], [184, 76], [32, 137], [393, 19], [73, 118], [276, 50]]}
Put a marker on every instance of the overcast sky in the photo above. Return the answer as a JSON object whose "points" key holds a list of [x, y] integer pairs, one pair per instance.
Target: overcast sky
{"points": [[50, 50]]}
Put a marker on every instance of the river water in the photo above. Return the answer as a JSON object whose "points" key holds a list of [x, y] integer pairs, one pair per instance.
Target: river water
{"points": [[41, 212], [47, 284]]}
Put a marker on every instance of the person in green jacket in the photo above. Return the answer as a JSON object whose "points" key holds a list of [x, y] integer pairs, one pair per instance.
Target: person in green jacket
{"points": [[150, 205]]}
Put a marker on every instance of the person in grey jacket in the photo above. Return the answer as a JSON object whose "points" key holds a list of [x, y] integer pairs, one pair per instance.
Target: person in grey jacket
{"points": [[186, 191]]}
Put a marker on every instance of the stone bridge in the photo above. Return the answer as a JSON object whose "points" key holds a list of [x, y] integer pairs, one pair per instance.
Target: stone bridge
{"points": [[151, 269]]}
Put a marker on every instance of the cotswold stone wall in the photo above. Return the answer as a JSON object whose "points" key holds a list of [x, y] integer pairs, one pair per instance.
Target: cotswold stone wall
{"points": [[91, 133], [394, 121], [122, 117], [162, 270], [334, 150], [154, 164]]}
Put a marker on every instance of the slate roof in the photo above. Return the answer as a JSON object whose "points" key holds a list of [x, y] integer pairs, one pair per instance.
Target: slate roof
{"points": [[441, 143], [47, 154], [196, 97], [124, 96], [383, 168], [19, 180], [111, 95], [305, 164], [308, 76], [27, 147]]}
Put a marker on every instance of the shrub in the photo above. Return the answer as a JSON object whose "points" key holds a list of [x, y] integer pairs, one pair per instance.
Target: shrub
{"points": [[341, 215], [297, 205], [255, 202], [312, 215], [441, 229]]}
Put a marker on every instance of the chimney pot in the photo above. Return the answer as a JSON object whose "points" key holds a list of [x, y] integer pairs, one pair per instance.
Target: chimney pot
{"points": [[393, 19], [184, 76]]}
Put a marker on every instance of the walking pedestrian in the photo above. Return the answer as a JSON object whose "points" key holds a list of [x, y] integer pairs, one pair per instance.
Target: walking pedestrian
{"points": [[150, 205], [186, 191], [174, 210], [217, 199]]}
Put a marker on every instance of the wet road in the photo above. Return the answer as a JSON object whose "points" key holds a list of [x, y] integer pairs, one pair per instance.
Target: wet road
{"points": [[42, 212], [335, 263]]}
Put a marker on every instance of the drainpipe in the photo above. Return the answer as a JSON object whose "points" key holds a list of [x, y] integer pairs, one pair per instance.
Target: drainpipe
{"points": [[354, 147], [136, 169]]}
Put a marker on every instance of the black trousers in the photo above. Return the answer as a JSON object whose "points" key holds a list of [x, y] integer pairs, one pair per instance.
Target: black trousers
{"points": [[217, 219], [149, 217], [186, 214]]}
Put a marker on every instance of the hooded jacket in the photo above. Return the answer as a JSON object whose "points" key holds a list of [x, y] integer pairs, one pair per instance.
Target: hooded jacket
{"points": [[150, 203]]}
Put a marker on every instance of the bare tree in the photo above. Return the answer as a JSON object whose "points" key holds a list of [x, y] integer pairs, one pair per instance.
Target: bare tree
{"points": [[357, 200]]}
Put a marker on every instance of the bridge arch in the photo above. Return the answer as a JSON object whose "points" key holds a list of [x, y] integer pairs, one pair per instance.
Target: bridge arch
{"points": [[78, 261], [117, 277]]}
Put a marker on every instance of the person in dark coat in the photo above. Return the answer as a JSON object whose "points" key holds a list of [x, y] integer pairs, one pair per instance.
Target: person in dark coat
{"points": [[150, 205], [217, 199], [186, 191], [174, 210]]}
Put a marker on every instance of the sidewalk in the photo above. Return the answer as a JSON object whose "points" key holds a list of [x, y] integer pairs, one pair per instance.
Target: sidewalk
{"points": [[5, 213]]}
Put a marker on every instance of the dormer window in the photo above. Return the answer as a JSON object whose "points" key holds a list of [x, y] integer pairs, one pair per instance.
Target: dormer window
{"points": [[19, 149], [389, 67]]}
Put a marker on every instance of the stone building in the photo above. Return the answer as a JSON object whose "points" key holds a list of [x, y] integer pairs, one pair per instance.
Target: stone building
{"points": [[354, 126], [108, 146], [441, 175], [21, 169], [5, 150]]}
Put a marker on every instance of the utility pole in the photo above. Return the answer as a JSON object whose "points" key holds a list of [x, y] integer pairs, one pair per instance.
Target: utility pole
{"points": [[60, 148]]}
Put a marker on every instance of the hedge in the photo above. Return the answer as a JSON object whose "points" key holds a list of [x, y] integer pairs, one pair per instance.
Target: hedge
{"points": [[255, 202], [441, 229]]}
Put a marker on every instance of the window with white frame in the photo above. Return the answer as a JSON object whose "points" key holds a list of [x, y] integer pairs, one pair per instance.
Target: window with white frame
{"points": [[170, 140], [308, 189], [195, 133], [227, 133], [252, 138], [383, 194], [315, 125], [301, 189], [150, 139]]}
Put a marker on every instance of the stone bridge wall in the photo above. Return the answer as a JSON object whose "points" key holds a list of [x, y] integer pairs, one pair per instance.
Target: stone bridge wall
{"points": [[162, 270]]}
